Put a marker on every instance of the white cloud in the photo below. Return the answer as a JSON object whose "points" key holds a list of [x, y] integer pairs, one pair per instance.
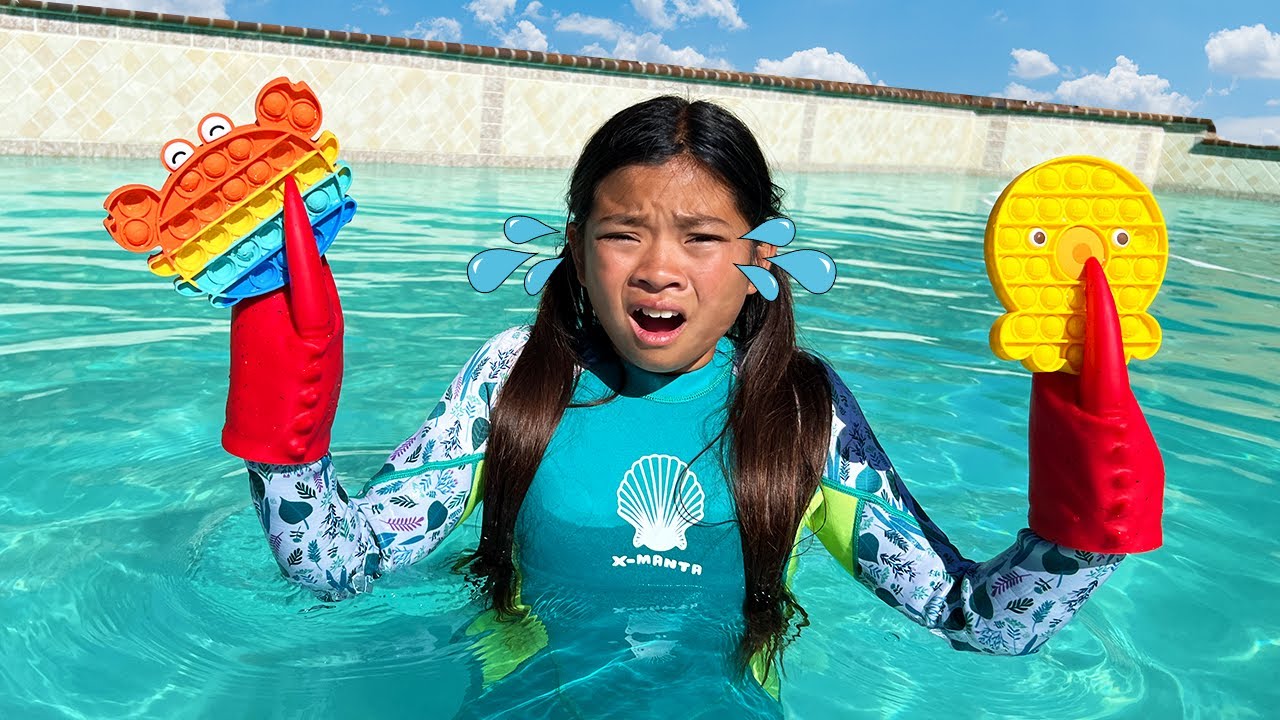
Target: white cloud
{"points": [[378, 7], [198, 8], [817, 63], [1274, 102], [1031, 64], [999, 16], [648, 47], [655, 11], [723, 11], [441, 28], [1247, 51], [491, 12], [593, 26], [1255, 130], [1211, 91], [1124, 88], [525, 36], [644, 47], [1018, 91], [532, 9]]}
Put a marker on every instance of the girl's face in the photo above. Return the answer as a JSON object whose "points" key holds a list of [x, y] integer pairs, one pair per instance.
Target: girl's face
{"points": [[662, 240]]}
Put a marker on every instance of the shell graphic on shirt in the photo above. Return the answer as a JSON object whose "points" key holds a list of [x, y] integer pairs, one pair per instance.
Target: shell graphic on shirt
{"points": [[660, 499]]}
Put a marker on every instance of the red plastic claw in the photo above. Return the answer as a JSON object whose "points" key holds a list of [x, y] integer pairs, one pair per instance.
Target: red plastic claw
{"points": [[1104, 379], [1097, 479], [286, 356], [312, 315]]}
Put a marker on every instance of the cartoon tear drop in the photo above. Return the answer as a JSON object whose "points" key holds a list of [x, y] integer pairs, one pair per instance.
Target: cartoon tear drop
{"points": [[777, 232], [490, 268], [520, 229], [764, 281], [539, 274], [813, 269]]}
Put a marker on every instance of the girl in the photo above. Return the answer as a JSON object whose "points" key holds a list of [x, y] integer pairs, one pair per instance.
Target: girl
{"points": [[652, 448]]}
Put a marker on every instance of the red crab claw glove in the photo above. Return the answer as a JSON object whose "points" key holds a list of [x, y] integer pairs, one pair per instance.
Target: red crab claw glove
{"points": [[286, 356], [1097, 480]]}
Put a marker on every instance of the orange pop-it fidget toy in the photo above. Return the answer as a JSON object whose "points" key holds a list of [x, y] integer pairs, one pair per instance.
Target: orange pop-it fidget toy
{"points": [[1045, 225], [220, 207]]}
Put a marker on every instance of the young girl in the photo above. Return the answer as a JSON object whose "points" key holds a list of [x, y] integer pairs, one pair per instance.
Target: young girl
{"points": [[650, 451]]}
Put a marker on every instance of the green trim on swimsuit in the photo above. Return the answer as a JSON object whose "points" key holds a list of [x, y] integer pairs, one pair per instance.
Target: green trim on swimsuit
{"points": [[815, 517], [419, 469], [477, 491], [871, 498], [834, 525]]}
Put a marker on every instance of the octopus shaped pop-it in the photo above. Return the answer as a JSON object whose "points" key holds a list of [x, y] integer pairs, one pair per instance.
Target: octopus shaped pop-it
{"points": [[218, 219], [1045, 225]]}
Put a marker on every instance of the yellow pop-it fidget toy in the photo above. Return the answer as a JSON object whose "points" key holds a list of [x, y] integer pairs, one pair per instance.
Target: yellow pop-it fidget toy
{"points": [[1045, 225]]}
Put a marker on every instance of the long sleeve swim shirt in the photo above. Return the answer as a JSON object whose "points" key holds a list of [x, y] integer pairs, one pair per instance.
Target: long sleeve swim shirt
{"points": [[629, 529]]}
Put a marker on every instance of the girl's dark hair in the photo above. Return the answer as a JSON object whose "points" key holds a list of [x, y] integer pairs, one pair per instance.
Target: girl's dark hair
{"points": [[779, 420]]}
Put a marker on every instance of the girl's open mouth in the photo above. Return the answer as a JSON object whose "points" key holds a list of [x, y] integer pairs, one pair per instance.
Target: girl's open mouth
{"points": [[656, 327]]}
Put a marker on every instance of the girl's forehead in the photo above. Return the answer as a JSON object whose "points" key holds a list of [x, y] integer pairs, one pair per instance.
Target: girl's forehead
{"points": [[678, 189]]}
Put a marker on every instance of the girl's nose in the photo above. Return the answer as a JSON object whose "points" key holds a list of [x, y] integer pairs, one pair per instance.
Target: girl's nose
{"points": [[659, 267]]}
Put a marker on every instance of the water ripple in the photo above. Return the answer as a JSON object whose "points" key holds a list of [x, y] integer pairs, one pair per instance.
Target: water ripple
{"points": [[135, 582]]}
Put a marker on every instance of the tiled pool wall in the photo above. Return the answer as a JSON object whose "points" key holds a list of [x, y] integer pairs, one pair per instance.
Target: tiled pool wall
{"points": [[87, 82]]}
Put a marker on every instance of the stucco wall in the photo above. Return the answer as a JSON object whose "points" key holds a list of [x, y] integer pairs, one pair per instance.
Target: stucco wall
{"points": [[86, 87]]}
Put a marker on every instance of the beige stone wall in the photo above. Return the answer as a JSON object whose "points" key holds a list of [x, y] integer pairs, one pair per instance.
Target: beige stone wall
{"points": [[95, 89], [877, 135], [104, 90], [1184, 166], [548, 115], [1028, 141]]}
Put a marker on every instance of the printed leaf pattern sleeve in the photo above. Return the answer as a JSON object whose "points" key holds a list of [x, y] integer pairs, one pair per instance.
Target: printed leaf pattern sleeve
{"points": [[335, 544], [1009, 605]]}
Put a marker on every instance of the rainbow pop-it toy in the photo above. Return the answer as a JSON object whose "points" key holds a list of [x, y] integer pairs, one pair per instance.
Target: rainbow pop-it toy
{"points": [[1045, 225], [218, 220]]}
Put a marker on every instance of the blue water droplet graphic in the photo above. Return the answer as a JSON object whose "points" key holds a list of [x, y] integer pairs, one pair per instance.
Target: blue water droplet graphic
{"points": [[538, 275], [764, 281], [521, 229], [813, 269], [490, 268], [777, 232]]}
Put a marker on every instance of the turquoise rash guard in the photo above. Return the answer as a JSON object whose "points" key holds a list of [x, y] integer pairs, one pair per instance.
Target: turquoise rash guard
{"points": [[626, 503], [627, 534], [627, 488], [627, 550]]}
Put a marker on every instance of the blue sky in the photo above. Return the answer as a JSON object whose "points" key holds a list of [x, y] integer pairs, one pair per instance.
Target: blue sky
{"points": [[1219, 60]]}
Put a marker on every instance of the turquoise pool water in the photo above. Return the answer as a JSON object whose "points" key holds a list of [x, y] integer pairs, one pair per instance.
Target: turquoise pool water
{"points": [[135, 581]]}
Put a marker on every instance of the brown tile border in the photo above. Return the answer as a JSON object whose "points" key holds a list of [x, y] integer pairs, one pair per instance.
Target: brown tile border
{"points": [[364, 41], [1214, 145]]}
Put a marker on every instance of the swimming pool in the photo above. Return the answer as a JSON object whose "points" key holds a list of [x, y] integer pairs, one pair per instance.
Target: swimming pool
{"points": [[135, 581]]}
